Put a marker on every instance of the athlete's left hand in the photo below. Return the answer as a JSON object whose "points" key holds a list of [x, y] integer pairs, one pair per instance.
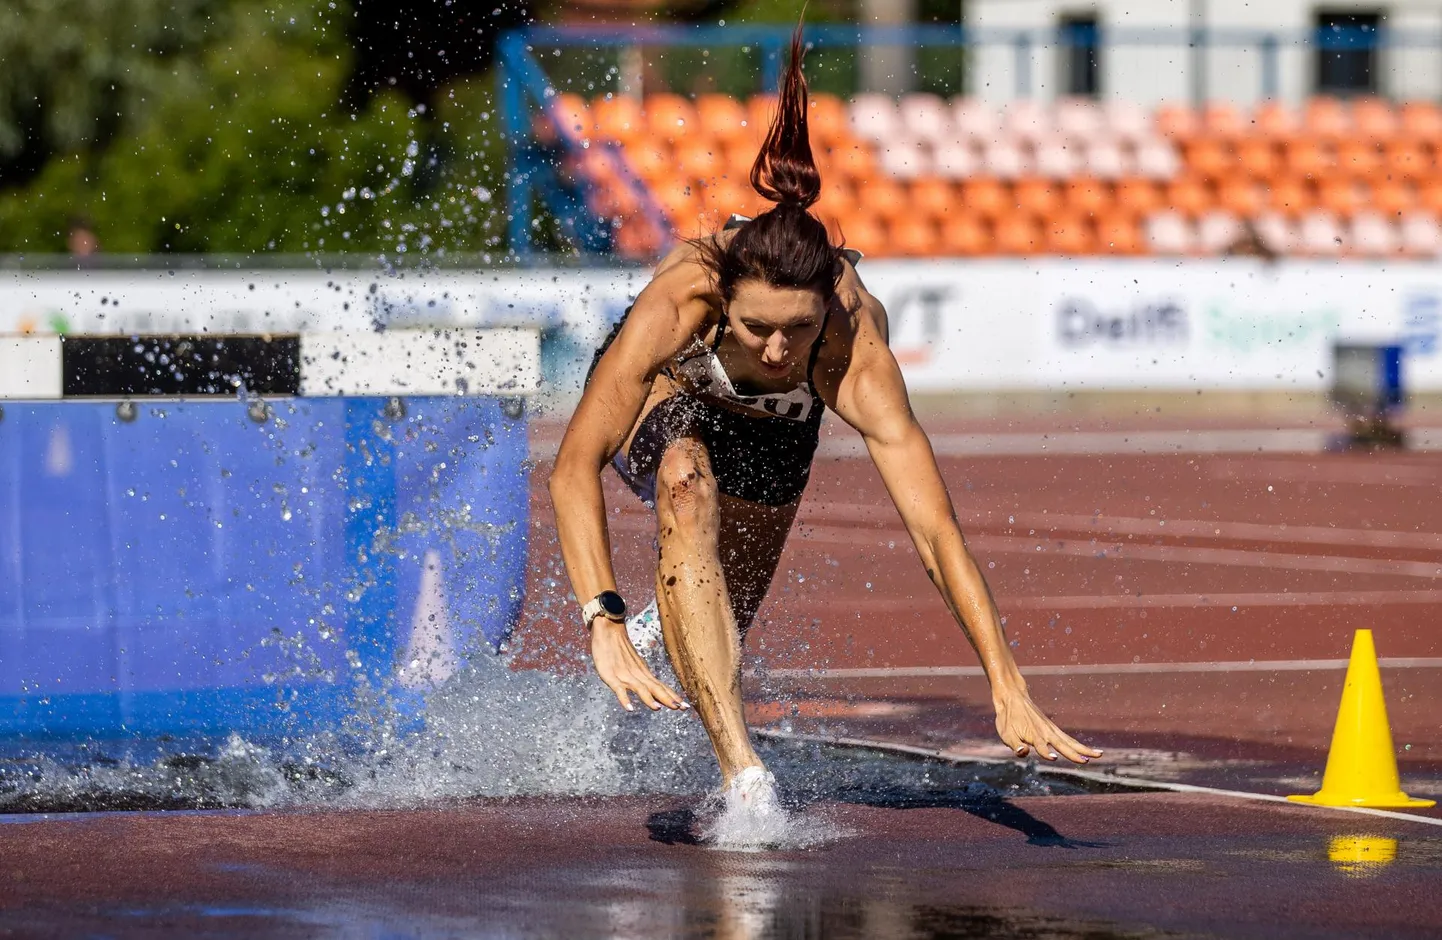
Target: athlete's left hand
{"points": [[1024, 728]]}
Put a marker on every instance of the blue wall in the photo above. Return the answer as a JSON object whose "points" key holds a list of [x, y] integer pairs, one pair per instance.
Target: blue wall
{"points": [[193, 571]]}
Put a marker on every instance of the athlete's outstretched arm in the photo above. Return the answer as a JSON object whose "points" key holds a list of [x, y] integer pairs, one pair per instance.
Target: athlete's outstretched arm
{"points": [[658, 326], [869, 394]]}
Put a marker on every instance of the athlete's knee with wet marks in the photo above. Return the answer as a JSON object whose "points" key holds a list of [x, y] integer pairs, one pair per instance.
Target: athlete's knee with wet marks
{"points": [[687, 503]]}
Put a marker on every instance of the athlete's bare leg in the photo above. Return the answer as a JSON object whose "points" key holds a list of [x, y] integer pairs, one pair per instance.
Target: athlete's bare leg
{"points": [[700, 619]]}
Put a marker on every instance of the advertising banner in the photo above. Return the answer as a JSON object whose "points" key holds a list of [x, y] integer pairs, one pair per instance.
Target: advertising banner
{"points": [[1051, 324]]}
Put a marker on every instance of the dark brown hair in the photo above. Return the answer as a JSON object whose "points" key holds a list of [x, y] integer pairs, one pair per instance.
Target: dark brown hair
{"points": [[785, 246]]}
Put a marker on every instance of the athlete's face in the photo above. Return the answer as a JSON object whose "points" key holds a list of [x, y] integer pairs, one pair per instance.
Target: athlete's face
{"points": [[776, 325]]}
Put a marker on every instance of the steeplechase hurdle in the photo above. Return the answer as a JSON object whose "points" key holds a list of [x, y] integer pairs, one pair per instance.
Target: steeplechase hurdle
{"points": [[204, 533]]}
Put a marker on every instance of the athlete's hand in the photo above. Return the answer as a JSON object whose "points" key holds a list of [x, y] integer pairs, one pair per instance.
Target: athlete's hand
{"points": [[1024, 728], [624, 671]]}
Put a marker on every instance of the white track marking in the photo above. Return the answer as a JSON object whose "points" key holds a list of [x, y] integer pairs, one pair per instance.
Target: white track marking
{"points": [[1139, 783], [1136, 551], [1103, 669], [892, 605], [841, 444], [1100, 525]]}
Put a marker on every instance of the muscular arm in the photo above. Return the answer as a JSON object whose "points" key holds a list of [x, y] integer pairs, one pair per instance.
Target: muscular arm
{"points": [[660, 323], [666, 314], [869, 394]]}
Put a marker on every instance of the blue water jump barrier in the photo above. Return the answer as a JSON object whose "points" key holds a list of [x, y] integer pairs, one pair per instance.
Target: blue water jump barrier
{"points": [[173, 562]]}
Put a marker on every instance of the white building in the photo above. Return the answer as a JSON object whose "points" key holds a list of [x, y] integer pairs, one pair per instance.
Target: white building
{"points": [[1137, 49]]}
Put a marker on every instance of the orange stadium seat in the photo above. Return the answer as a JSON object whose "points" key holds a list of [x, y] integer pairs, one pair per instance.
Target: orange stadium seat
{"points": [[1421, 120], [650, 160], [965, 235], [671, 118], [721, 198], [1274, 120], [1405, 159], [1016, 233], [1290, 197], [932, 197], [1208, 157], [1358, 158], [852, 160], [1257, 158], [1429, 196], [1221, 119], [1189, 196], [698, 158], [1392, 198], [618, 117], [1373, 119], [1035, 197], [882, 197], [722, 117], [1177, 121], [1326, 118], [912, 235], [1087, 196], [1068, 234], [1138, 196], [1119, 234], [760, 109], [837, 197], [826, 120], [985, 197], [1241, 197], [1341, 197], [1308, 156], [863, 232]]}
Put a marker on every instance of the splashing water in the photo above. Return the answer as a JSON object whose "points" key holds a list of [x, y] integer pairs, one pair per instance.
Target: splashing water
{"points": [[493, 731]]}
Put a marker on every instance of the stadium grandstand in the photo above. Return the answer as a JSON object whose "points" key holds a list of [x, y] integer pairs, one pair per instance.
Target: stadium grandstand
{"points": [[1350, 168]]}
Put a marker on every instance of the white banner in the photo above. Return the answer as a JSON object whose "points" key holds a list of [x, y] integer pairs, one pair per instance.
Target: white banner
{"points": [[1052, 324]]}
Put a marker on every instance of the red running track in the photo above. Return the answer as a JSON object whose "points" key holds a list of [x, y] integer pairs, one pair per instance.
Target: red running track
{"points": [[1131, 560]]}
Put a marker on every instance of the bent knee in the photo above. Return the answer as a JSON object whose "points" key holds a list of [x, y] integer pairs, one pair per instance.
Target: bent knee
{"points": [[685, 487]]}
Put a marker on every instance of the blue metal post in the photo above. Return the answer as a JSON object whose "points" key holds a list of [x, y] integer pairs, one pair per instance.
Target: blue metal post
{"points": [[1269, 66], [511, 95], [1023, 65]]}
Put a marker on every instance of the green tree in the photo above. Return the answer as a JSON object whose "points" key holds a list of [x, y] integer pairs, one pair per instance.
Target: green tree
{"points": [[245, 148]]}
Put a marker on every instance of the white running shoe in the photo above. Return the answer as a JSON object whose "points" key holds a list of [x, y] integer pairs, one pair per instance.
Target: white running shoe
{"points": [[644, 629], [746, 814]]}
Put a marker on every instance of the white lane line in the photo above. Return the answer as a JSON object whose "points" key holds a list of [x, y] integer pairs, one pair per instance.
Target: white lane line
{"points": [[1368, 473], [1084, 547], [876, 605], [1104, 669], [1110, 526], [1139, 783], [842, 444]]}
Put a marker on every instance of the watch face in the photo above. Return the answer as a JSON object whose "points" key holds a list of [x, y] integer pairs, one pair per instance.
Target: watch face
{"points": [[612, 604]]}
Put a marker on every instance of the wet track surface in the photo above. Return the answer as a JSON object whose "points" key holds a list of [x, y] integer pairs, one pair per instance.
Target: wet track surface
{"points": [[1104, 866], [1188, 612]]}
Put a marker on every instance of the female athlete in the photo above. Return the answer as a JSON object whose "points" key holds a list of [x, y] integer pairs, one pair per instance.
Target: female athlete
{"points": [[707, 399]]}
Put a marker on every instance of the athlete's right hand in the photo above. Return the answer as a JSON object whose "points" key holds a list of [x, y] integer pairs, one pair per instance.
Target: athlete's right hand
{"points": [[624, 671]]}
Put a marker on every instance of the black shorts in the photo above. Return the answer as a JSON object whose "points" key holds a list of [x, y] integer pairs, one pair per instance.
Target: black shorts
{"points": [[763, 459]]}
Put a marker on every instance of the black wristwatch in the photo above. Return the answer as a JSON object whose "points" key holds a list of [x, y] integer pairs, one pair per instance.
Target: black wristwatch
{"points": [[607, 604]]}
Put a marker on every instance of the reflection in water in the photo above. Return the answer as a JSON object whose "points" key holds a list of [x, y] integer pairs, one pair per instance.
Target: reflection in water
{"points": [[749, 898], [1360, 856]]}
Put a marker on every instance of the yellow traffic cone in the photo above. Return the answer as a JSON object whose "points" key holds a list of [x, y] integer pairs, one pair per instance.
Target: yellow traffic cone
{"points": [[1361, 765]]}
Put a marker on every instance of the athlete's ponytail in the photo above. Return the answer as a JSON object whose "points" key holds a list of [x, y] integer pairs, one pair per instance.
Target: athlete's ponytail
{"points": [[785, 246], [785, 171]]}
